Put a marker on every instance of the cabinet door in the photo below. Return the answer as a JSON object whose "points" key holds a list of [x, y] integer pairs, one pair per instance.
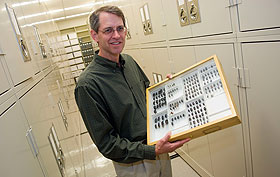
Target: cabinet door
{"points": [[228, 143], [181, 58], [162, 62], [16, 156], [135, 53], [174, 29], [262, 60], [138, 21], [149, 63], [225, 54], [5, 86], [258, 14], [157, 20], [132, 27], [19, 70], [199, 150], [215, 18]]}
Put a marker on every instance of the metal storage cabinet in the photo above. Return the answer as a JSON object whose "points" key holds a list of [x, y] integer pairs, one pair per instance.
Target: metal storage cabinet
{"points": [[156, 17], [213, 151], [182, 57], [262, 60], [149, 63], [4, 86], [157, 20], [228, 143], [41, 121], [215, 18], [45, 62], [130, 15], [19, 70], [173, 27], [37, 114], [135, 53], [258, 14], [163, 65], [225, 53], [16, 156], [138, 22], [152, 60]]}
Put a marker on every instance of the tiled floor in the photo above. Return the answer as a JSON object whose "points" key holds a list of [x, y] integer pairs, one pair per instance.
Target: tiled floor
{"points": [[95, 165], [89, 162], [181, 169]]}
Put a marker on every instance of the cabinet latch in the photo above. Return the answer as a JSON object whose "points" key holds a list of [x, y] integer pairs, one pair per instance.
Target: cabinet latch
{"points": [[243, 77], [232, 3]]}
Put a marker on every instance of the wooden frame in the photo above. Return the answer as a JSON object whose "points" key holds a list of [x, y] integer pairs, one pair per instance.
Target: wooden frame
{"points": [[195, 102]]}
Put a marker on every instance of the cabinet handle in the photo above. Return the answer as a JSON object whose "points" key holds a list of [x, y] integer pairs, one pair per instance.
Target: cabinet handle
{"points": [[32, 142], [193, 12], [1, 53]]}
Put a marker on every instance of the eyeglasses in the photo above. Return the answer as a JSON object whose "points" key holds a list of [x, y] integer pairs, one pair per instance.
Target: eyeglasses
{"points": [[110, 30]]}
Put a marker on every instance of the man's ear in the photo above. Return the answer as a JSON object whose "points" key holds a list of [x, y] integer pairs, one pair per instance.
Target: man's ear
{"points": [[94, 35]]}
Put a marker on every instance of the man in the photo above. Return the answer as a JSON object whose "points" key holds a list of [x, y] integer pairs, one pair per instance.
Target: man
{"points": [[110, 95]]}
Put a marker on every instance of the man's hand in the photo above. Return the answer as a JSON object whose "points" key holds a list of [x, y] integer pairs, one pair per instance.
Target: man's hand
{"points": [[163, 146], [169, 76]]}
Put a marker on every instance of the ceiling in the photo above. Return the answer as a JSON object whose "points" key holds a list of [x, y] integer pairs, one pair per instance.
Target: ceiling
{"points": [[69, 7], [43, 11]]}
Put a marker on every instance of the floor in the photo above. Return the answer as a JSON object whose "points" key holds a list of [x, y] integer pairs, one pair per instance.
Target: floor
{"points": [[84, 160], [95, 165]]}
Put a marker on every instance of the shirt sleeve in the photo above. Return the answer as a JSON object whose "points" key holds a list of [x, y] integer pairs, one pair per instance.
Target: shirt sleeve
{"points": [[97, 120]]}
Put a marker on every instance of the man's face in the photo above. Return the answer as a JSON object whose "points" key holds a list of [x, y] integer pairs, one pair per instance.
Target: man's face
{"points": [[111, 45]]}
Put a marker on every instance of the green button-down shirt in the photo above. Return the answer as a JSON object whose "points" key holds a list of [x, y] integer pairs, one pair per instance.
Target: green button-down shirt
{"points": [[112, 102]]}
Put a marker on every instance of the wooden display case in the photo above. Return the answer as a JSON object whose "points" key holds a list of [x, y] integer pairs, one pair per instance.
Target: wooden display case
{"points": [[195, 102]]}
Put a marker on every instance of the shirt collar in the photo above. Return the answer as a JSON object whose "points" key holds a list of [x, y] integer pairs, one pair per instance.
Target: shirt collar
{"points": [[108, 63]]}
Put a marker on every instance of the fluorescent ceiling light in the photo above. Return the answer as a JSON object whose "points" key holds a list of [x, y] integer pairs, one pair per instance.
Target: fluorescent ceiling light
{"points": [[57, 10], [56, 19], [39, 14], [77, 15], [80, 6], [27, 3]]}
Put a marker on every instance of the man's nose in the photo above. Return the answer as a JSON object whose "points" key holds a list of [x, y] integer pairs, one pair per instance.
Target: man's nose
{"points": [[116, 34]]}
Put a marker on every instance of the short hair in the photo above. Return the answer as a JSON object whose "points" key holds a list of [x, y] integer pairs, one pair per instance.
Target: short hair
{"points": [[94, 17]]}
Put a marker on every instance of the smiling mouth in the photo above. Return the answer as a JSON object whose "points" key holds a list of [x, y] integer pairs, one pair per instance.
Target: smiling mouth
{"points": [[115, 43]]}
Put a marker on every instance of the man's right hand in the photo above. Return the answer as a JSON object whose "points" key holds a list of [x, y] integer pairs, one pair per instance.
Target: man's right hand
{"points": [[164, 146]]}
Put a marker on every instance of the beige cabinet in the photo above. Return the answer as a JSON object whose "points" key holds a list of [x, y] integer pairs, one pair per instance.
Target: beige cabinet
{"points": [[198, 150], [19, 69], [162, 62], [173, 27], [16, 154], [262, 61], [215, 18], [182, 57], [157, 18], [258, 15], [214, 15], [130, 15], [149, 63], [5, 86], [228, 143], [225, 53]]}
